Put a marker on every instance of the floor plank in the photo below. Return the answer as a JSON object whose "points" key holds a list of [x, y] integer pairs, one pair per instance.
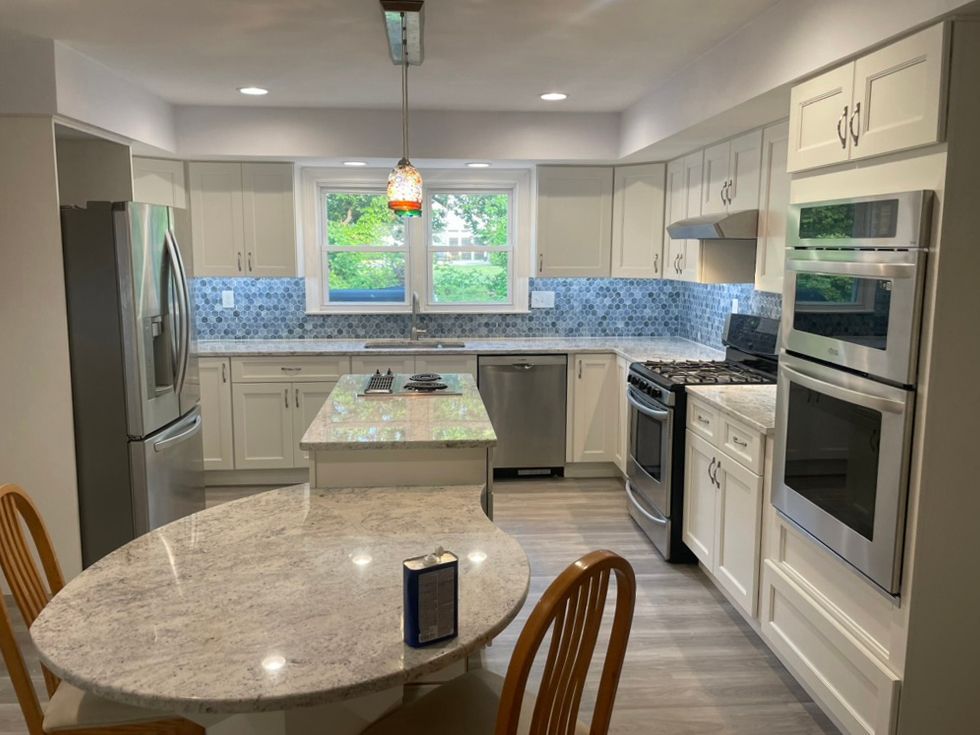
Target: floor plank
{"points": [[693, 665]]}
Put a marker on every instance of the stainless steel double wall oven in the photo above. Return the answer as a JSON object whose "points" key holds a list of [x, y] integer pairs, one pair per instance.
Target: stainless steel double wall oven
{"points": [[852, 307]]}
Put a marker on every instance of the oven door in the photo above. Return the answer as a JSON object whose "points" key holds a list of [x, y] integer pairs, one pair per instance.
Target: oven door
{"points": [[842, 462], [651, 429], [855, 308]]}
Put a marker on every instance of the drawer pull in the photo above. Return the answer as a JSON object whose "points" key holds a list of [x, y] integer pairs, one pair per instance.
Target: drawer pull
{"points": [[736, 440], [291, 369], [701, 419]]}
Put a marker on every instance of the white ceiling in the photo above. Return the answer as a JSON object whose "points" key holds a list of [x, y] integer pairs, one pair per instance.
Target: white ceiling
{"points": [[480, 54]]}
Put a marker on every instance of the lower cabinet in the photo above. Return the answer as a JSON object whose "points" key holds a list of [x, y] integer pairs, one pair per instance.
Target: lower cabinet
{"points": [[593, 422], [216, 422], [623, 419], [308, 399]]}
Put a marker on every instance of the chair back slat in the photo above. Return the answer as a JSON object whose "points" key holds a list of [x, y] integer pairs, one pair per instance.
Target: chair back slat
{"points": [[571, 609], [31, 591]]}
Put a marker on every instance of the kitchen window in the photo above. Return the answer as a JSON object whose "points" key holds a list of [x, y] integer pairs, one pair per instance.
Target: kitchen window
{"points": [[468, 253]]}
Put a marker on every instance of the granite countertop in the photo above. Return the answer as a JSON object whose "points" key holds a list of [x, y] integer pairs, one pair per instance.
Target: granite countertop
{"points": [[350, 421], [631, 348], [752, 404], [288, 598]]}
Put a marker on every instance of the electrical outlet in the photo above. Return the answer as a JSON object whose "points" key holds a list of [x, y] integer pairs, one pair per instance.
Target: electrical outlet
{"points": [[227, 299], [542, 299], [734, 306]]}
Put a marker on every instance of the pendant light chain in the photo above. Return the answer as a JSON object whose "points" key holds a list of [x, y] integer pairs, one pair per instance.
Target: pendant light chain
{"points": [[404, 87]]}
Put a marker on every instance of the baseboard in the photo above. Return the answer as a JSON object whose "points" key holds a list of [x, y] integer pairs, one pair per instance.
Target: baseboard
{"points": [[256, 478]]}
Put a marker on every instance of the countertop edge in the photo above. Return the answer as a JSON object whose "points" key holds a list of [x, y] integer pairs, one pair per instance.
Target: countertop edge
{"points": [[707, 393]]}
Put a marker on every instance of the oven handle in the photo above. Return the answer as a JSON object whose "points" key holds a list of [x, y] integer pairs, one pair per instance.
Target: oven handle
{"points": [[636, 504], [852, 268], [844, 394], [645, 410]]}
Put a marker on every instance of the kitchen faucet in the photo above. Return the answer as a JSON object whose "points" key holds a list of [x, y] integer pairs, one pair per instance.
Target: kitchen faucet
{"points": [[416, 332]]}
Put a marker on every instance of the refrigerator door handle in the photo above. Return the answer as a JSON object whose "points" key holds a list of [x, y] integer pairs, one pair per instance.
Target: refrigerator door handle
{"points": [[184, 323], [163, 444]]}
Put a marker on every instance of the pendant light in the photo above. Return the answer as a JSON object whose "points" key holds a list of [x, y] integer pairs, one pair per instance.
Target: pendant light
{"points": [[404, 181]]}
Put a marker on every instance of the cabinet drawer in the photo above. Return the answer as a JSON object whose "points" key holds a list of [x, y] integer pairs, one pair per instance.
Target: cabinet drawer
{"points": [[288, 369], [743, 444], [704, 420]]}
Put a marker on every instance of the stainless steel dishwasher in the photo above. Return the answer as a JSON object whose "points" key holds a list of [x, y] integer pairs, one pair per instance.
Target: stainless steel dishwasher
{"points": [[525, 397]]}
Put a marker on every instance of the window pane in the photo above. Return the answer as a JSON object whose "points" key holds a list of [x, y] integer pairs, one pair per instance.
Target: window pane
{"points": [[470, 278], [366, 277], [467, 220], [355, 219]]}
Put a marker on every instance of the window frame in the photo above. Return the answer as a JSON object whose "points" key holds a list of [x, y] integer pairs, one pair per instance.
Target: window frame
{"points": [[419, 249]]}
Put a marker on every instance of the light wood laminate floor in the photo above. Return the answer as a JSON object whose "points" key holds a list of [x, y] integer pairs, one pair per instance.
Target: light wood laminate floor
{"points": [[693, 665]]}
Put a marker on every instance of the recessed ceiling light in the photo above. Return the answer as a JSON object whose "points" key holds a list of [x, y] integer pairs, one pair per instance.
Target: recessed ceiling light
{"points": [[253, 91], [554, 96], [355, 163], [478, 164]]}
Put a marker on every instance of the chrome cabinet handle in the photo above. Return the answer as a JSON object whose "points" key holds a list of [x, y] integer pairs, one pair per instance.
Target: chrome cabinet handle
{"points": [[711, 467], [224, 372], [579, 369], [239, 262], [841, 133], [540, 262], [250, 262], [739, 442], [656, 262], [715, 478], [297, 398], [285, 396], [291, 369], [701, 420], [855, 116], [731, 190]]}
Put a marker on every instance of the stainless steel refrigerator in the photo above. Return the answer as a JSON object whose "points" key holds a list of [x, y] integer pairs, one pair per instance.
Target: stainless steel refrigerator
{"points": [[135, 386]]}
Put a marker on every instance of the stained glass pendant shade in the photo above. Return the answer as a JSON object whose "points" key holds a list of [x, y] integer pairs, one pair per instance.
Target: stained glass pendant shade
{"points": [[405, 181]]}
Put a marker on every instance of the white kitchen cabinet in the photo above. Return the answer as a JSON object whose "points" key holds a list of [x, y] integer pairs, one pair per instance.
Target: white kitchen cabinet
{"points": [[689, 264], [700, 500], [773, 205], [638, 221], [216, 413], [308, 399], [739, 532], [715, 178], [443, 364], [368, 364], [889, 100], [270, 237], [574, 221], [263, 426], [594, 416], [623, 417], [242, 219], [731, 174], [675, 208], [289, 368], [159, 181]]}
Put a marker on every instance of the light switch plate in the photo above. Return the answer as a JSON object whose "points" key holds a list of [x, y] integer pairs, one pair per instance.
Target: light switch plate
{"points": [[734, 306], [227, 299], [542, 299]]}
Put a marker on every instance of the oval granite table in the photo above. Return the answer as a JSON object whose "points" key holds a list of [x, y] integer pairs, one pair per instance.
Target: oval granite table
{"points": [[288, 599]]}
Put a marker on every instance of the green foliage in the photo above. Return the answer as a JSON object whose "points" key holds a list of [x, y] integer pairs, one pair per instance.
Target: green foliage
{"points": [[362, 219], [813, 287], [485, 215], [462, 284], [366, 270]]}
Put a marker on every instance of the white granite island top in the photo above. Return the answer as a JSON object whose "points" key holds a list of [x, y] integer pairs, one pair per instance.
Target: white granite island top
{"points": [[350, 421], [753, 404], [285, 599]]}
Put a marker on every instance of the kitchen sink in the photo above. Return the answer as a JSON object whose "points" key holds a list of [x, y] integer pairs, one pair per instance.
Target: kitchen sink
{"points": [[413, 344]]}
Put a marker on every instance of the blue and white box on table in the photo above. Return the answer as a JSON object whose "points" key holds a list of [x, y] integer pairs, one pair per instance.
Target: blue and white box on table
{"points": [[431, 592]]}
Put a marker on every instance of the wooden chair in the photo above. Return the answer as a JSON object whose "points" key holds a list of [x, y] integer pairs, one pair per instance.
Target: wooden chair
{"points": [[481, 702], [69, 708]]}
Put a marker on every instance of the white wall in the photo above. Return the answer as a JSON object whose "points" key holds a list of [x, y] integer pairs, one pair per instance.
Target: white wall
{"points": [[791, 40], [26, 74], [322, 133], [37, 441]]}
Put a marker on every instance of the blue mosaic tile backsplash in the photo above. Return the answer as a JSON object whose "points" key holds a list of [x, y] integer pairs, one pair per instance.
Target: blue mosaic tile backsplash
{"points": [[274, 308]]}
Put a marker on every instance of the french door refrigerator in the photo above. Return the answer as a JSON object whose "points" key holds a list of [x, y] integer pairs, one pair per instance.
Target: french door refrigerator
{"points": [[135, 386]]}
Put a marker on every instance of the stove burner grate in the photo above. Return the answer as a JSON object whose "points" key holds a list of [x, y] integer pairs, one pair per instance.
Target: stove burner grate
{"points": [[425, 387], [426, 378]]}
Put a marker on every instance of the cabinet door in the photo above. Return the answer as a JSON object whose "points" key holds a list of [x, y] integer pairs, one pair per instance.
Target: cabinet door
{"points": [[623, 417], [443, 364], [700, 499], [263, 425], [594, 413], [574, 220], [216, 422], [693, 172], [367, 364], [675, 208], [308, 399], [773, 205], [638, 221], [715, 179], [743, 171], [739, 532], [269, 219], [818, 117], [899, 95], [217, 225], [159, 181]]}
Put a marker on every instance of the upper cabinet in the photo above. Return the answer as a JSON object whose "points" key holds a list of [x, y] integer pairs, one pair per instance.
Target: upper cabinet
{"points": [[242, 219], [159, 181], [574, 221], [638, 221], [889, 100], [773, 205], [731, 175]]}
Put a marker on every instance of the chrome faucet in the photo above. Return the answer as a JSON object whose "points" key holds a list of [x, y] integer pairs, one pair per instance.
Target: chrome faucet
{"points": [[416, 331]]}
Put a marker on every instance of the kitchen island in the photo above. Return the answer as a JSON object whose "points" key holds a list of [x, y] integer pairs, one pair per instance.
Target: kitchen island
{"points": [[401, 439]]}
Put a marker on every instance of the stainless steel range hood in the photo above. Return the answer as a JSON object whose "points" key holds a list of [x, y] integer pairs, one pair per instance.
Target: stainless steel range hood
{"points": [[742, 225]]}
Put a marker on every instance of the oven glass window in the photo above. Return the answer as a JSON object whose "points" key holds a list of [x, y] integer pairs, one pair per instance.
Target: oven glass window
{"points": [[841, 307], [832, 456], [852, 221], [647, 447]]}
